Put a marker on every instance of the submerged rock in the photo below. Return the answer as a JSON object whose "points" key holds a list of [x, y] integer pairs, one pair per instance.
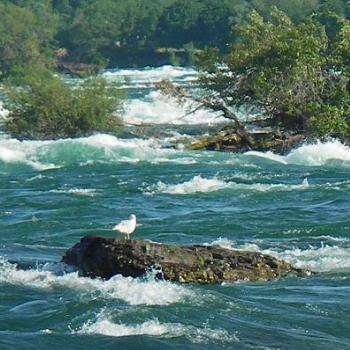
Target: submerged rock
{"points": [[106, 257]]}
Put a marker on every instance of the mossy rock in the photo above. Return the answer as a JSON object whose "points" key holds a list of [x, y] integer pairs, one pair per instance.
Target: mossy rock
{"points": [[106, 257]]}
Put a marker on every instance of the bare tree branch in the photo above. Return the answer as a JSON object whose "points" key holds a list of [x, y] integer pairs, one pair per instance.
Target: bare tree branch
{"points": [[211, 103]]}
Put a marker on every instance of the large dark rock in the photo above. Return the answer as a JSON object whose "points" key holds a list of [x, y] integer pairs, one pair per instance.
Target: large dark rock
{"points": [[106, 257]]}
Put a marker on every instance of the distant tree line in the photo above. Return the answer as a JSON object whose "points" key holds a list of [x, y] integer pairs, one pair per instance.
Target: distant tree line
{"points": [[289, 58], [130, 32]]}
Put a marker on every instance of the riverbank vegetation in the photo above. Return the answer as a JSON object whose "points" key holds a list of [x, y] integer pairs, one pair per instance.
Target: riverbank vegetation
{"points": [[132, 32], [296, 75], [290, 63], [44, 106]]}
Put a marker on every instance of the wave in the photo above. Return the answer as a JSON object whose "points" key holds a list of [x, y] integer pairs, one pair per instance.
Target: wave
{"points": [[156, 108], [99, 148], [323, 258], [134, 291], [154, 328], [109, 149], [13, 151], [151, 75], [199, 184], [320, 259], [315, 154]]}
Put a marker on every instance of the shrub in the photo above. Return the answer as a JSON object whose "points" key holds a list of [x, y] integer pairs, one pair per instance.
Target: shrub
{"points": [[45, 106]]}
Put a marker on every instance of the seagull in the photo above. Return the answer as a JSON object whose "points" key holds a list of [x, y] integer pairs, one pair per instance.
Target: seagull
{"points": [[126, 227]]}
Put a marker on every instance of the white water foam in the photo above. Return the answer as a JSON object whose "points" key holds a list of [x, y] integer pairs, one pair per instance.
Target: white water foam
{"points": [[134, 150], [157, 108], [109, 328], [88, 192], [199, 184], [43, 155], [320, 259], [315, 154], [324, 258], [135, 291], [319, 153], [3, 112], [16, 152], [268, 155], [154, 328], [151, 75]]}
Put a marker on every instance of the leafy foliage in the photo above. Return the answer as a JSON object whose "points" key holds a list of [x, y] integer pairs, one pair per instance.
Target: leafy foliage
{"points": [[295, 68], [102, 29], [112, 31], [47, 107], [25, 38], [295, 73]]}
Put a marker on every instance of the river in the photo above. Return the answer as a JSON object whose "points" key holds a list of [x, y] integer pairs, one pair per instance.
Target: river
{"points": [[295, 207]]}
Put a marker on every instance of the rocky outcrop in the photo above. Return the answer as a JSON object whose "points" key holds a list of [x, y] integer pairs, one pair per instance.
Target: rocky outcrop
{"points": [[263, 141], [106, 257]]}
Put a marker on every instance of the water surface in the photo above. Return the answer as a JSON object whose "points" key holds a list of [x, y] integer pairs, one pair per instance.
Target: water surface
{"points": [[295, 207]]}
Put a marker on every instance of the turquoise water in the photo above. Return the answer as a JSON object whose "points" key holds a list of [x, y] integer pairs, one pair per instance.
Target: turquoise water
{"points": [[294, 207]]}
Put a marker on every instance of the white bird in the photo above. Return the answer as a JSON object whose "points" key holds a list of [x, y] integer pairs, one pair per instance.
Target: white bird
{"points": [[126, 227]]}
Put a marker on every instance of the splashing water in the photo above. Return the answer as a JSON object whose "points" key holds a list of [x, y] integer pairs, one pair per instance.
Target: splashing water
{"points": [[132, 291], [316, 154], [294, 207], [203, 185]]}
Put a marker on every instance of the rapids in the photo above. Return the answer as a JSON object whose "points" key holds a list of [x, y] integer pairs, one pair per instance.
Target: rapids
{"points": [[294, 207]]}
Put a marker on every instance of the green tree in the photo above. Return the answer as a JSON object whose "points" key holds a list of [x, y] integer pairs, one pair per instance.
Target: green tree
{"points": [[176, 26], [297, 10], [24, 38], [44, 106], [100, 30], [340, 7], [295, 73]]}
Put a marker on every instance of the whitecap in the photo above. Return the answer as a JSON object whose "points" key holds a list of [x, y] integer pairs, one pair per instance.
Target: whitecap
{"points": [[268, 155], [109, 328], [155, 328], [13, 151], [151, 75], [324, 258], [319, 153], [99, 148], [157, 108], [314, 154], [134, 291], [198, 184]]}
